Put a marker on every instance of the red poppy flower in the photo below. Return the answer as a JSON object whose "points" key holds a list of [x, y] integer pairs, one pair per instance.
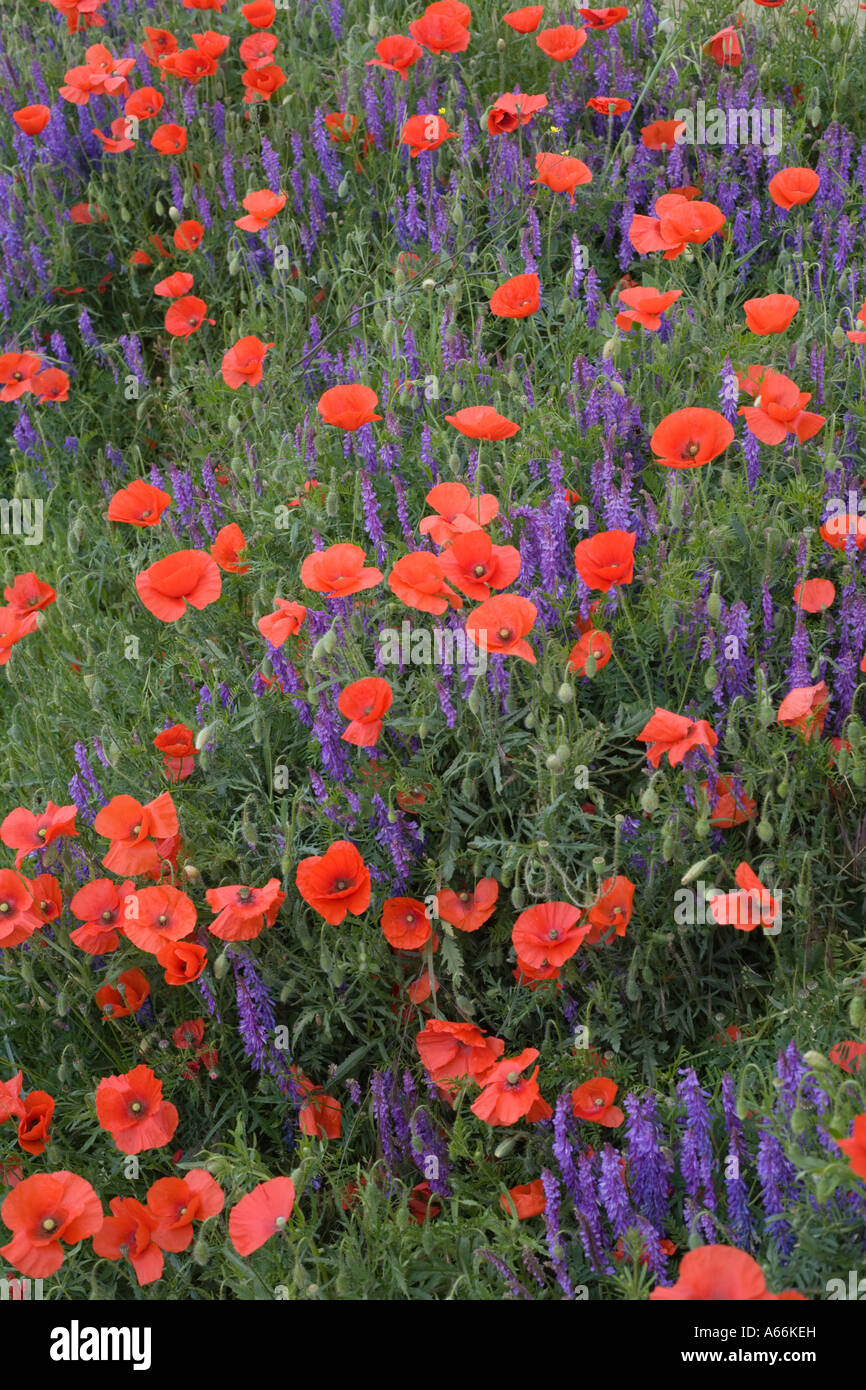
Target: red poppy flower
{"points": [[131, 1108], [47, 900], [397, 53], [837, 529], [849, 1055], [242, 364], [606, 559], [661, 135], [13, 627], [609, 106], [43, 1210], [28, 595], [805, 708], [690, 438], [724, 48], [51, 385], [139, 504], [458, 512], [261, 206], [32, 119], [593, 1102], [720, 1273], [341, 126], [526, 1200], [753, 906], [548, 934], [185, 316], [181, 961], [188, 1034], [243, 912], [513, 109], [517, 298], [113, 1004], [180, 751], [128, 1232], [259, 13], [417, 580], [680, 221], [610, 914], [174, 1203], [792, 187], [118, 142], [262, 82], [814, 595], [604, 18], [186, 577], [321, 1116], [482, 422], [561, 43], [35, 1123], [474, 565], [645, 306], [100, 905], [441, 33], [426, 132], [778, 411], [335, 883], [500, 625], [153, 916], [227, 548], [159, 43], [285, 622], [364, 703], [771, 314], [338, 571], [132, 828], [593, 643], [257, 50], [168, 139], [468, 910], [348, 407], [23, 831], [675, 735], [454, 9], [144, 103], [731, 807], [452, 1051], [405, 923], [560, 173], [508, 1097], [261, 1214], [17, 371], [524, 21]]}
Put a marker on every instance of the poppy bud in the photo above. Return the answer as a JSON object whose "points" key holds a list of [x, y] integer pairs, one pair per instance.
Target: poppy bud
{"points": [[855, 733], [468, 788], [817, 1061], [552, 762], [858, 776], [668, 847], [422, 729], [857, 1010], [529, 721], [649, 801], [565, 693], [518, 897], [617, 388], [201, 1251], [428, 285], [710, 678], [563, 752], [799, 1121], [766, 834], [702, 828], [343, 187], [319, 651], [474, 700], [696, 870], [125, 215], [500, 45], [174, 214], [204, 736], [714, 606], [457, 394], [62, 1004], [329, 640], [590, 666], [220, 966], [191, 873], [782, 788], [733, 742], [839, 337], [627, 153]]}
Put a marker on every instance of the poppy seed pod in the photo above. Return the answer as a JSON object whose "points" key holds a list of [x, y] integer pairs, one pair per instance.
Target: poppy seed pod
{"points": [[766, 834], [857, 1011], [649, 800], [565, 693], [221, 965], [817, 1061], [714, 606]]}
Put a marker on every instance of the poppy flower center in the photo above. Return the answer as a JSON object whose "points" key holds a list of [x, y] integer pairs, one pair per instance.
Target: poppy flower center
{"points": [[47, 1225], [136, 1107], [513, 1077], [136, 829], [5, 907], [43, 906], [340, 885], [505, 634], [553, 934], [162, 919], [410, 918], [41, 833], [478, 571], [598, 1100], [691, 449], [17, 376], [108, 915], [464, 897], [146, 514], [244, 895]]}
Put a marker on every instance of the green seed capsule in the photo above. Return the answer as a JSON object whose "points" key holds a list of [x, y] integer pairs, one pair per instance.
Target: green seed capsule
{"points": [[565, 693], [649, 801], [221, 965], [857, 1011], [518, 897], [766, 833], [702, 828], [714, 606]]}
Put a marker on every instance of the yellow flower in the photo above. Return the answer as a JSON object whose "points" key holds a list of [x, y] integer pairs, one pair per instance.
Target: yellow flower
{"points": [[554, 130], [441, 110]]}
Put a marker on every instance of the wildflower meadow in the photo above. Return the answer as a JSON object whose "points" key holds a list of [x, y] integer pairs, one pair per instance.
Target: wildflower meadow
{"points": [[433, 531]]}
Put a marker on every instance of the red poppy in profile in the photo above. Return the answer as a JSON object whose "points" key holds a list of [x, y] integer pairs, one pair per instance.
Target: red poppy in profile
{"points": [[513, 109], [661, 135], [177, 743], [189, 1034], [814, 595], [606, 559], [113, 1004], [805, 708], [731, 807], [174, 1203], [771, 314], [188, 235], [144, 103], [526, 1200], [609, 106], [32, 119], [153, 916], [257, 50], [611, 913], [132, 829], [335, 883], [482, 422], [524, 21], [43, 1210], [778, 411], [454, 9], [186, 577], [501, 624], [508, 1097], [474, 565], [47, 899], [675, 735], [561, 43], [12, 629], [169, 139], [131, 1108], [259, 13], [645, 306], [849, 1055], [262, 82], [724, 48], [174, 286], [227, 548], [242, 364], [262, 206], [186, 316], [792, 187], [364, 703], [34, 1125], [243, 912], [181, 961], [397, 53], [425, 133], [128, 1233], [348, 407], [405, 923], [159, 43], [338, 571], [139, 504], [517, 298], [548, 934], [594, 643], [28, 595], [17, 371], [11, 1104], [458, 512], [52, 384], [467, 910], [680, 221], [751, 906], [441, 33], [285, 622], [840, 526], [341, 126], [691, 438], [604, 18], [452, 1051], [720, 1273], [100, 906], [855, 1148], [261, 1214], [190, 64], [24, 831], [593, 1102], [561, 173], [417, 580]]}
